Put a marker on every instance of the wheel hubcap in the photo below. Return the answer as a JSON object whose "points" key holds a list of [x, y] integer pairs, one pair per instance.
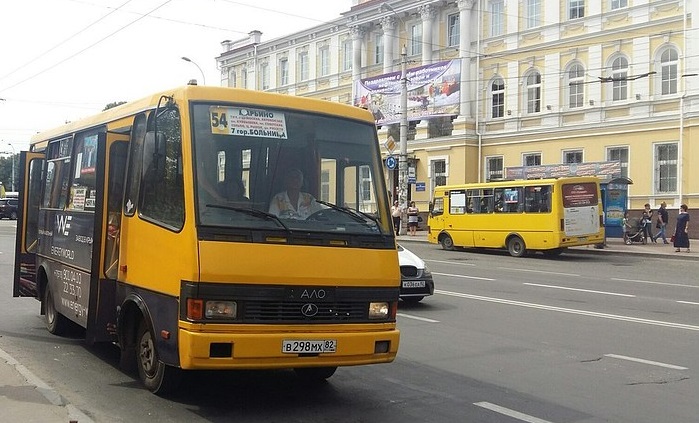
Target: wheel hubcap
{"points": [[147, 354]]}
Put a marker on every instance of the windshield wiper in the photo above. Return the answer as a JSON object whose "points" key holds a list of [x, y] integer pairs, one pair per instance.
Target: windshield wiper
{"points": [[355, 214], [252, 212]]}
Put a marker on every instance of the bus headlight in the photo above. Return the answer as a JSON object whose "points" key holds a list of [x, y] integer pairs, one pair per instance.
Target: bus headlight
{"points": [[378, 310], [221, 310]]}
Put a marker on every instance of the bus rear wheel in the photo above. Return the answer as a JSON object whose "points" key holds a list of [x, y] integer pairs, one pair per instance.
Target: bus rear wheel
{"points": [[516, 247], [155, 375], [446, 242], [56, 323]]}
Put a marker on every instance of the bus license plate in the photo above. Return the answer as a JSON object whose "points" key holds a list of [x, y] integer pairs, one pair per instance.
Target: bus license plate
{"points": [[413, 284], [309, 346]]}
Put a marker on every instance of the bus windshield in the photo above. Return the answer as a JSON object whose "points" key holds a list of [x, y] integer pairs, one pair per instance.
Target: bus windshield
{"points": [[273, 169]]}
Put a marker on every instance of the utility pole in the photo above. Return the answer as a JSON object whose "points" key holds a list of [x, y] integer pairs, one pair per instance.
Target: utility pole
{"points": [[403, 159]]}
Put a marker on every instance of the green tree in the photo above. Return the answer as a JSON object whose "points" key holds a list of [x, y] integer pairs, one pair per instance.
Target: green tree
{"points": [[113, 104], [6, 171]]}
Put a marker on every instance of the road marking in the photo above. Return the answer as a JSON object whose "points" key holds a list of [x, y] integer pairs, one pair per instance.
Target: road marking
{"points": [[539, 271], [450, 262], [654, 283], [578, 289], [463, 276], [510, 413], [688, 302], [571, 311], [652, 363], [422, 319]]}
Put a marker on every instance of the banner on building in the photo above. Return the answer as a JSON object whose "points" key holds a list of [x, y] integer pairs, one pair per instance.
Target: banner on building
{"points": [[603, 170], [433, 90]]}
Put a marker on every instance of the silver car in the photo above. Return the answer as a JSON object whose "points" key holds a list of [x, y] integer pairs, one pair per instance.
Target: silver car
{"points": [[415, 278]]}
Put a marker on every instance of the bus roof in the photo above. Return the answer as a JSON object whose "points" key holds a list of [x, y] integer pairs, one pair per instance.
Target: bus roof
{"points": [[207, 93]]}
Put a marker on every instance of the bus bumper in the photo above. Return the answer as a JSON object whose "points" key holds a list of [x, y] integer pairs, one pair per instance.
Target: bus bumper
{"points": [[207, 350]]}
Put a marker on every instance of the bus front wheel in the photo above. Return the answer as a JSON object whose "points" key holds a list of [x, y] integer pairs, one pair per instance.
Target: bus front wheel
{"points": [[155, 375], [516, 247], [447, 242]]}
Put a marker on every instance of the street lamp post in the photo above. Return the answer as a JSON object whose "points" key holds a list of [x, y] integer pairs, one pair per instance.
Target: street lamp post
{"points": [[203, 78], [13, 165], [403, 159]]}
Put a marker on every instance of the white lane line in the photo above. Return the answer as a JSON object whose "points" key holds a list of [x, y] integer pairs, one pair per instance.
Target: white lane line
{"points": [[571, 311], [652, 363], [450, 262], [688, 302], [539, 271], [422, 319], [655, 283], [510, 413], [578, 289], [463, 276]]}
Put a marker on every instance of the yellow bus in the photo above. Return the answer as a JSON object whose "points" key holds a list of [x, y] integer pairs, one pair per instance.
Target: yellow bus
{"points": [[157, 225], [547, 215]]}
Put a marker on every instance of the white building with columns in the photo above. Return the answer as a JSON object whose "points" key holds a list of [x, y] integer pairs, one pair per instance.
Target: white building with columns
{"points": [[541, 82]]}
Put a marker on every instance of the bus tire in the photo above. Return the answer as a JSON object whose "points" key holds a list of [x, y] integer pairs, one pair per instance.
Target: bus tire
{"points": [[156, 376], [446, 242], [516, 247], [314, 374], [56, 323]]}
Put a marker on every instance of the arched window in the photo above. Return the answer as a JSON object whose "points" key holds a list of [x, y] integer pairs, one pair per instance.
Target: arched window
{"points": [[532, 92], [497, 95], [620, 70], [668, 71], [576, 85]]}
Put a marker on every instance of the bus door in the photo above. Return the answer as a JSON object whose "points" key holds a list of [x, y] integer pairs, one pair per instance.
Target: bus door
{"points": [[102, 319], [31, 165]]}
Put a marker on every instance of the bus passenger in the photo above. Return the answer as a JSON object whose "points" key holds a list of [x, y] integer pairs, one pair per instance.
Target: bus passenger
{"points": [[292, 203]]}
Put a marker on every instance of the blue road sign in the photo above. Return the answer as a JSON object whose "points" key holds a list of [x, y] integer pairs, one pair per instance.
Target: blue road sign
{"points": [[391, 162]]}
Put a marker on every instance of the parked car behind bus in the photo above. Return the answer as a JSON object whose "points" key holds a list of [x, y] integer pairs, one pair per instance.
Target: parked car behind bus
{"points": [[8, 208]]}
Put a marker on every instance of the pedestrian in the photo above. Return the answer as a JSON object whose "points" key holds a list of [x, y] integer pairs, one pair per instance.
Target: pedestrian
{"points": [[646, 221], [626, 227], [661, 223], [682, 229], [395, 215], [413, 213]]}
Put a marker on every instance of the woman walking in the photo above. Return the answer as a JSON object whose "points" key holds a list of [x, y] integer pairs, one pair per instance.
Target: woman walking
{"points": [[682, 229]]}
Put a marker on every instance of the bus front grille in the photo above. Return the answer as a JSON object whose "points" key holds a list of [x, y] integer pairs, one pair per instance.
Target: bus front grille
{"points": [[309, 312]]}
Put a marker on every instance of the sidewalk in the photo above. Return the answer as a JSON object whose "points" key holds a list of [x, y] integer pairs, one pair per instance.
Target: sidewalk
{"points": [[26, 398], [613, 246]]}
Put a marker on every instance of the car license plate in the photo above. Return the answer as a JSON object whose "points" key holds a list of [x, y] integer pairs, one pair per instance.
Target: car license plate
{"points": [[309, 346], [413, 284]]}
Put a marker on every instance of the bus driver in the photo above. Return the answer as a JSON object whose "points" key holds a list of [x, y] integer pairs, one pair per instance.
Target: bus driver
{"points": [[292, 203]]}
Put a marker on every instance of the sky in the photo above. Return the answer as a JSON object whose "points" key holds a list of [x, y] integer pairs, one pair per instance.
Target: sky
{"points": [[61, 60]]}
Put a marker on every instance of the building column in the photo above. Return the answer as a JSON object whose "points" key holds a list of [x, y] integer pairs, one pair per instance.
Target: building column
{"points": [[427, 14], [388, 24], [357, 33], [465, 7]]}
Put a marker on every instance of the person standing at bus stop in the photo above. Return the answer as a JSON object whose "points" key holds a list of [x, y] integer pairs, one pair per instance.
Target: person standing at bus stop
{"points": [[395, 215], [413, 213], [661, 223]]}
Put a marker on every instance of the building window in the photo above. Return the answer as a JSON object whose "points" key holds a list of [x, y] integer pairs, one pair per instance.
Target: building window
{"points": [[620, 70], [494, 168], [533, 13], [497, 17], [497, 92], [533, 92], [668, 71], [576, 9], [264, 76], [531, 159], [666, 168], [619, 4], [572, 156], [325, 185], [378, 49], [231, 78], [439, 173], [416, 38], [347, 55], [366, 184], [576, 84], [453, 30], [284, 71], [620, 154], [324, 57], [303, 66], [244, 78]]}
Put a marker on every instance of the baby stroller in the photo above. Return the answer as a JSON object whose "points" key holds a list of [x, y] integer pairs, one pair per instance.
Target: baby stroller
{"points": [[634, 231]]}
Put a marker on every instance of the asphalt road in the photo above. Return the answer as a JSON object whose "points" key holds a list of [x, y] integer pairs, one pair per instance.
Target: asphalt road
{"points": [[580, 338]]}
